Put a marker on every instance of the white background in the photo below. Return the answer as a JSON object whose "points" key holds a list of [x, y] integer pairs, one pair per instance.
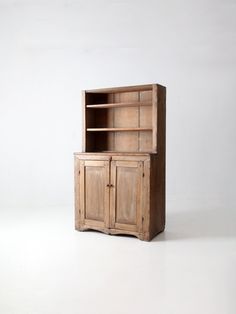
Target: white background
{"points": [[50, 51]]}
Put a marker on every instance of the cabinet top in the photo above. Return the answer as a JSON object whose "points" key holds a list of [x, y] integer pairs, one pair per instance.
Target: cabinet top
{"points": [[124, 88]]}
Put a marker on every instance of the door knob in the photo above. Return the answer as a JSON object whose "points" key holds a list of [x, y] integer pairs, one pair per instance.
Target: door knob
{"points": [[110, 185]]}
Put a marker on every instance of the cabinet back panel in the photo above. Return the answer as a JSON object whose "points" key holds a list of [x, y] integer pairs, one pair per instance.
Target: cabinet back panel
{"points": [[126, 117], [145, 141], [126, 141]]}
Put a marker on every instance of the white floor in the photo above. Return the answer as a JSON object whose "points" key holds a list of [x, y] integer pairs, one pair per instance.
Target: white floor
{"points": [[48, 268]]}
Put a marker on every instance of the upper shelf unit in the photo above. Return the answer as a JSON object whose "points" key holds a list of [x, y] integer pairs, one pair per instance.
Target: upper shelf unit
{"points": [[123, 119]]}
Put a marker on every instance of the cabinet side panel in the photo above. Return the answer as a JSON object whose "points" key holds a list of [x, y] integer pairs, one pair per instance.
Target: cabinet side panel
{"points": [[161, 146], [76, 190], [157, 206], [84, 125], [155, 198], [88, 121]]}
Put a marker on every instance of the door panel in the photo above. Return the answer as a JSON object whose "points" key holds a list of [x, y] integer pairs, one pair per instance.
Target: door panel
{"points": [[94, 200], [126, 200], [126, 195], [94, 192]]}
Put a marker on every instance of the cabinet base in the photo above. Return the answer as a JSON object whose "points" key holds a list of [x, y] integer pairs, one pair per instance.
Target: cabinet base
{"points": [[140, 236]]}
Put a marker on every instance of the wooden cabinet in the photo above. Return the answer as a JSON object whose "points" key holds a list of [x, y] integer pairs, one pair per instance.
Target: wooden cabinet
{"points": [[120, 175], [113, 194]]}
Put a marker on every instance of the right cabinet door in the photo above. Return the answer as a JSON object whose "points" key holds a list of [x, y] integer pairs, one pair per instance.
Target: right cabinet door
{"points": [[126, 195]]}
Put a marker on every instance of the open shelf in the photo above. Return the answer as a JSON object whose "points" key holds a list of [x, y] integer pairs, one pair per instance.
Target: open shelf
{"points": [[121, 120], [117, 129], [120, 104]]}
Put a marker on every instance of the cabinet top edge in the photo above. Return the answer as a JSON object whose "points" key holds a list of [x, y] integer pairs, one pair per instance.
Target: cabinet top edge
{"points": [[115, 153], [123, 89]]}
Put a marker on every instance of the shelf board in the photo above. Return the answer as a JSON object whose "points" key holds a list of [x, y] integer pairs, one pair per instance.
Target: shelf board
{"points": [[117, 129], [120, 104]]}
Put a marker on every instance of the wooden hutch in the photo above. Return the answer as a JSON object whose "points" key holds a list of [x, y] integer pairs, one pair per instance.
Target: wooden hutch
{"points": [[120, 175]]}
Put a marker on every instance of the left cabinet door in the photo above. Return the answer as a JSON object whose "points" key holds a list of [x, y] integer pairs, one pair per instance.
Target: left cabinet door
{"points": [[94, 193]]}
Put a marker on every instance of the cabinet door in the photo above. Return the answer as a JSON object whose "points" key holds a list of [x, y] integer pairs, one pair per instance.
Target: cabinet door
{"points": [[126, 195], [94, 193]]}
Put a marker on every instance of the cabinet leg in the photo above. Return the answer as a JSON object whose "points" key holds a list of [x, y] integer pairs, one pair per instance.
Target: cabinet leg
{"points": [[144, 237]]}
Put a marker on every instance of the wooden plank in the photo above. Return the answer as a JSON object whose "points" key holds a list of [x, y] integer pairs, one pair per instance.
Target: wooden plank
{"points": [[107, 194], [117, 129], [125, 226], [77, 192], [128, 232], [107, 155], [126, 163], [140, 194], [154, 118], [121, 104], [113, 194], [146, 201], [84, 125], [91, 223], [93, 156], [81, 189], [132, 157]]}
